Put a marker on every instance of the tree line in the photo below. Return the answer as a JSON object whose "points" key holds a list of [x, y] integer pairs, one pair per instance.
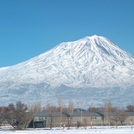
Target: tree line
{"points": [[19, 115]]}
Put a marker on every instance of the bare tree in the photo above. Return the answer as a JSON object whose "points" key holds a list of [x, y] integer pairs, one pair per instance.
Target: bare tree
{"points": [[36, 107], [52, 114], [107, 110], [70, 110], [130, 108], [123, 116], [78, 124], [61, 107], [1, 118], [82, 123], [16, 115], [85, 122], [118, 116]]}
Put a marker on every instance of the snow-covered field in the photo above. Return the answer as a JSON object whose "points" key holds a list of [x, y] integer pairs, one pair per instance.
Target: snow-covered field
{"points": [[100, 130]]}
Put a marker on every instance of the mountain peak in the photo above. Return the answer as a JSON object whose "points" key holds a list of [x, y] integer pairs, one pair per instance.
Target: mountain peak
{"points": [[94, 37]]}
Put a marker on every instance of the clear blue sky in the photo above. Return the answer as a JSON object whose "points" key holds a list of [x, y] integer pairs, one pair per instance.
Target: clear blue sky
{"points": [[31, 27]]}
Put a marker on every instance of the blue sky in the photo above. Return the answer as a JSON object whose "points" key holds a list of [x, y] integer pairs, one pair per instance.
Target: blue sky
{"points": [[31, 27]]}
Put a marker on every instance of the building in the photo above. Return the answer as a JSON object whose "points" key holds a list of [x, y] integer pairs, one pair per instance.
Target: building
{"points": [[57, 119]]}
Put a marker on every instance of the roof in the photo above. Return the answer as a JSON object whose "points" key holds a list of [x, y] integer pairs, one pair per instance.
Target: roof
{"points": [[85, 113], [46, 114], [67, 114]]}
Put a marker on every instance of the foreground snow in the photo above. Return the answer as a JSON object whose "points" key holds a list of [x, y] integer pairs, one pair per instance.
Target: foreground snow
{"points": [[99, 130]]}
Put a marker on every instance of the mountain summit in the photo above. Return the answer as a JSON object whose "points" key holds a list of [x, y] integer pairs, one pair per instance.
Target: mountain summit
{"points": [[89, 64]]}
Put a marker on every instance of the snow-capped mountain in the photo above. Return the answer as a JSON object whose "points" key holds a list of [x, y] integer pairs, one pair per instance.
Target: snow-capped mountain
{"points": [[83, 69]]}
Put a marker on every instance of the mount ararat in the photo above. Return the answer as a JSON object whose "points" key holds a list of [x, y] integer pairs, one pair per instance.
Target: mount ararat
{"points": [[89, 71]]}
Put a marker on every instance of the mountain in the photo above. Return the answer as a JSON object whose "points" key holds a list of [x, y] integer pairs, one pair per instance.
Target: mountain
{"points": [[91, 70]]}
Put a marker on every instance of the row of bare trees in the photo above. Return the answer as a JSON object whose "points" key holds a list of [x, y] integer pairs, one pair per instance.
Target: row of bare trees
{"points": [[17, 115], [113, 115]]}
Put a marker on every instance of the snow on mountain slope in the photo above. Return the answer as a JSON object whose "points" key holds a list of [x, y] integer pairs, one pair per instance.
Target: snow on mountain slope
{"points": [[91, 62]]}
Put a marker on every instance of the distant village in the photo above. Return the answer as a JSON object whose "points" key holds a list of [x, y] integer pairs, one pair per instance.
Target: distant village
{"points": [[21, 116]]}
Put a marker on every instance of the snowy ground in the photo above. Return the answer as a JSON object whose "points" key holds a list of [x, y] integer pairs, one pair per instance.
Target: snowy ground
{"points": [[99, 130]]}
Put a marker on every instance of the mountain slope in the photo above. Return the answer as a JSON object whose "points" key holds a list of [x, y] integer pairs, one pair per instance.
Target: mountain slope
{"points": [[89, 63]]}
